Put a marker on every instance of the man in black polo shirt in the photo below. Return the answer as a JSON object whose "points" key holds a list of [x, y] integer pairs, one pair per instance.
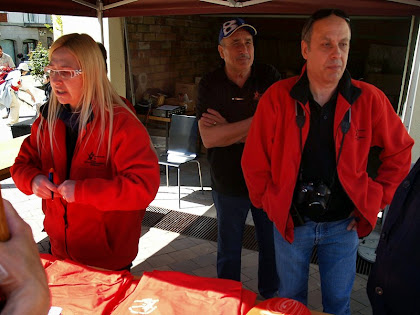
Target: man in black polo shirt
{"points": [[227, 100]]}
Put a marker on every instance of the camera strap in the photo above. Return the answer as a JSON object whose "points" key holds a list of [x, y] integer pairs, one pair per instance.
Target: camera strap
{"points": [[300, 121]]}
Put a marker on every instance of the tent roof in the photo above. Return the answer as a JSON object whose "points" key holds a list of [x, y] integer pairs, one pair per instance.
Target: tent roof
{"points": [[188, 7]]}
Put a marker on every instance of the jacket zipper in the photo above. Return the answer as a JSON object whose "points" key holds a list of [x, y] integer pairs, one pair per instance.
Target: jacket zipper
{"points": [[66, 223], [65, 230]]}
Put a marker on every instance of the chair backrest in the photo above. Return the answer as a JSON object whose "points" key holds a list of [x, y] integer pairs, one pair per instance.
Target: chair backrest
{"points": [[183, 135]]}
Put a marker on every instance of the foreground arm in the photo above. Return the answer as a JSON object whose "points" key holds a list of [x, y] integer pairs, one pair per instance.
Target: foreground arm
{"points": [[22, 278]]}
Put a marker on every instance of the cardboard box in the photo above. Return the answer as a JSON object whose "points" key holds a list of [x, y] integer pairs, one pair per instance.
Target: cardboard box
{"points": [[173, 101], [186, 88], [190, 107]]}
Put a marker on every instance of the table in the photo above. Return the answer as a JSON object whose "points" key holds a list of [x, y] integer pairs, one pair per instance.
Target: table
{"points": [[9, 149], [99, 288]]}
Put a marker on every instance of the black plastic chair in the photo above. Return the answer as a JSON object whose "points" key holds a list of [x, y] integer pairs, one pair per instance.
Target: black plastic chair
{"points": [[182, 147]]}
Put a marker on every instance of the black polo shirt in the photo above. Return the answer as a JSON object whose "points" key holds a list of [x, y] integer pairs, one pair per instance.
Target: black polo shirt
{"points": [[319, 158], [216, 91]]}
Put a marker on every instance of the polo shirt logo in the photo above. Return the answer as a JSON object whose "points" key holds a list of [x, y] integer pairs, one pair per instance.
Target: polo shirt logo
{"points": [[145, 306], [257, 96]]}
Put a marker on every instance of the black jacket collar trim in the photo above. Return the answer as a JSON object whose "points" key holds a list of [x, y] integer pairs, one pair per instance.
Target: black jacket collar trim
{"points": [[300, 91]]}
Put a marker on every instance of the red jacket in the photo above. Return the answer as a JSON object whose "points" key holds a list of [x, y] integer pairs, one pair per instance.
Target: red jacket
{"points": [[104, 223], [272, 155]]}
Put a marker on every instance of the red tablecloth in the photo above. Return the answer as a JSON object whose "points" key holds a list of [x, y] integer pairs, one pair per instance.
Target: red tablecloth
{"points": [[78, 289]]}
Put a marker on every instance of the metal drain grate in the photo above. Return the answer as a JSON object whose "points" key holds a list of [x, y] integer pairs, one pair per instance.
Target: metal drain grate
{"points": [[158, 210], [206, 228], [176, 222], [196, 226], [362, 266], [153, 215]]}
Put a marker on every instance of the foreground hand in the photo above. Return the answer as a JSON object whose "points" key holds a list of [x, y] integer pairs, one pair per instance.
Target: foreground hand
{"points": [[42, 187], [22, 278], [212, 118], [66, 190]]}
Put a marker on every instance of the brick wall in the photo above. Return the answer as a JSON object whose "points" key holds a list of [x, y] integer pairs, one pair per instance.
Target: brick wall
{"points": [[3, 17], [169, 49]]}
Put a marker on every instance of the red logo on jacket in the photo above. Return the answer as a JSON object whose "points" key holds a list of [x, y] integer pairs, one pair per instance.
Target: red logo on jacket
{"points": [[95, 160]]}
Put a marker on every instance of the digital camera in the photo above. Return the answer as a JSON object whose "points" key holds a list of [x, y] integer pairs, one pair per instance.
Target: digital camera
{"points": [[312, 199]]}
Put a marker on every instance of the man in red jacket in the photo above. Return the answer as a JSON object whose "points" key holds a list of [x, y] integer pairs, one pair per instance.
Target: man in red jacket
{"points": [[305, 162]]}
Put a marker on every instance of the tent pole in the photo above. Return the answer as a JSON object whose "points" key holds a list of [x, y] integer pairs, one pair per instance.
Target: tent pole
{"points": [[130, 76], [100, 13], [101, 25]]}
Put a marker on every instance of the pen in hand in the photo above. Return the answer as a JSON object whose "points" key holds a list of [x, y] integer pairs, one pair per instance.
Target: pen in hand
{"points": [[51, 179]]}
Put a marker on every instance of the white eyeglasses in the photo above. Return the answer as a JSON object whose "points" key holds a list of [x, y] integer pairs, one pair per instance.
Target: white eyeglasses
{"points": [[64, 74]]}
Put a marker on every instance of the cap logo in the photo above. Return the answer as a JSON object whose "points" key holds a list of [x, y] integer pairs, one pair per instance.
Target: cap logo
{"points": [[229, 26]]}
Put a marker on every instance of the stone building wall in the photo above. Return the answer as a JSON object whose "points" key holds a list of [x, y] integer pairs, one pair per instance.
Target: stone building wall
{"points": [[169, 49]]}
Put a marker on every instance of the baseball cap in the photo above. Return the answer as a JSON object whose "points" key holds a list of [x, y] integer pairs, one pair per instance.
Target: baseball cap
{"points": [[231, 26], [23, 66]]}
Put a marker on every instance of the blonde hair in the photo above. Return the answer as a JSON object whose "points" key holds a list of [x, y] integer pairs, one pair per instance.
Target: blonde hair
{"points": [[98, 97]]}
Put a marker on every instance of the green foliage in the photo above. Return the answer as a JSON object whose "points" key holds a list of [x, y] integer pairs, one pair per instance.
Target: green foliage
{"points": [[59, 24], [49, 27], [37, 61]]}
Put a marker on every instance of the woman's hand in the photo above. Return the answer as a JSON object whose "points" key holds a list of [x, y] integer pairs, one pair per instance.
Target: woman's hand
{"points": [[42, 187], [66, 190]]}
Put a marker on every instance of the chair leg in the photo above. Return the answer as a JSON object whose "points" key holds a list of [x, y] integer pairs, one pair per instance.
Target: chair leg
{"points": [[179, 187], [167, 176], [199, 174]]}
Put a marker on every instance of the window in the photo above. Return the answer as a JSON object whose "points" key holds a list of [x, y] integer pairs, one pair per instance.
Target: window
{"points": [[29, 18], [28, 46]]}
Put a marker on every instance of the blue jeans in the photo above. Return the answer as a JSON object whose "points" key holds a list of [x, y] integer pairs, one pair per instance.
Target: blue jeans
{"points": [[337, 251], [231, 216]]}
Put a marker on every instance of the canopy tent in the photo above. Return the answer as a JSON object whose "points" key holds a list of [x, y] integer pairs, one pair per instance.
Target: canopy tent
{"points": [[117, 8]]}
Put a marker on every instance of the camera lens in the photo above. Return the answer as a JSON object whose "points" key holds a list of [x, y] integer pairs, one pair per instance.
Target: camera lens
{"points": [[323, 190]]}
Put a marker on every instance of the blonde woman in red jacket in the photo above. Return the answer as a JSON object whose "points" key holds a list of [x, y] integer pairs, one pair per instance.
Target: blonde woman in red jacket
{"points": [[90, 160]]}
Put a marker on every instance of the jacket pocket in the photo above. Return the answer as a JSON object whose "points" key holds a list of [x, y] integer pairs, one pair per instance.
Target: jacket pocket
{"points": [[54, 226], [273, 205], [86, 235]]}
